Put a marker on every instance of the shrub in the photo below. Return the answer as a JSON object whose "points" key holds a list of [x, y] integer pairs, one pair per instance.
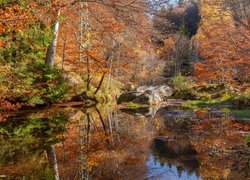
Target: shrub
{"points": [[182, 83], [242, 100], [24, 77], [185, 94], [183, 88], [203, 96]]}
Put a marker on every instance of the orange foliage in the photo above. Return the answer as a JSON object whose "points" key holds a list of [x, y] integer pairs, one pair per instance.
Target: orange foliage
{"points": [[223, 46], [241, 126], [7, 106], [103, 40], [15, 18]]}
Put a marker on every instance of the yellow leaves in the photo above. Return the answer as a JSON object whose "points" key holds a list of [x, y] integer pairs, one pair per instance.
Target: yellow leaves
{"points": [[220, 44], [213, 15], [138, 47]]}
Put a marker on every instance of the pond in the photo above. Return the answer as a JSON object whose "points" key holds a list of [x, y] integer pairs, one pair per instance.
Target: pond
{"points": [[110, 143]]}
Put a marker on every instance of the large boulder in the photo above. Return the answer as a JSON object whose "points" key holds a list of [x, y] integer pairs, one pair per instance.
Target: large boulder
{"points": [[128, 96], [147, 95]]}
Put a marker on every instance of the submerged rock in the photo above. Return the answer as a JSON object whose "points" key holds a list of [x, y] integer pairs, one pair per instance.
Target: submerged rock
{"points": [[149, 111], [147, 95]]}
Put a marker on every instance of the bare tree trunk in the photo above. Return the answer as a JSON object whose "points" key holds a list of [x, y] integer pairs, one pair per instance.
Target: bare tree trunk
{"points": [[88, 74], [176, 56], [51, 154], [88, 128], [110, 121], [86, 27], [64, 49], [81, 33], [51, 52], [103, 124], [100, 84], [109, 81], [83, 25]]}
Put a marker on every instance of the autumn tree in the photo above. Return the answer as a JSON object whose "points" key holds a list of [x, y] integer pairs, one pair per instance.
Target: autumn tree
{"points": [[180, 54], [25, 36], [103, 43], [224, 51]]}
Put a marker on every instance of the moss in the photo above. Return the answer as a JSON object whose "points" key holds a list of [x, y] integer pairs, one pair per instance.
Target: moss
{"points": [[136, 105], [242, 100], [244, 113], [212, 88], [185, 94], [247, 139], [208, 103]]}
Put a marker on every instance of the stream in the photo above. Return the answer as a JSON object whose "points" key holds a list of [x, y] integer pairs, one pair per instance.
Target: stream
{"points": [[109, 143]]}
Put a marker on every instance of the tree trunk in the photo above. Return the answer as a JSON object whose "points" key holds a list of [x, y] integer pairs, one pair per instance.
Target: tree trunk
{"points": [[86, 27], [81, 34], [64, 51], [109, 81], [51, 154], [110, 121], [100, 84], [51, 52], [103, 125]]}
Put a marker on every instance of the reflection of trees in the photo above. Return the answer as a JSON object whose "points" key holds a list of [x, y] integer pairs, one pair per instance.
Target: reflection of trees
{"points": [[179, 121], [176, 152], [51, 154], [149, 111], [23, 142], [103, 124], [101, 142], [221, 149], [173, 147], [125, 157], [215, 144], [104, 143]]}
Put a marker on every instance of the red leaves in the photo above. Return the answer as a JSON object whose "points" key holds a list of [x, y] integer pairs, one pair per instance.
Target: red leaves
{"points": [[8, 106], [240, 126]]}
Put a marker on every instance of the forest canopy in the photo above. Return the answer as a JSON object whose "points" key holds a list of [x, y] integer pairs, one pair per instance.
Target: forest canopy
{"points": [[52, 51]]}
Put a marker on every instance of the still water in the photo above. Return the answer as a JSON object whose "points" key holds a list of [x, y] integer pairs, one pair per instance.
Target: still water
{"points": [[130, 144]]}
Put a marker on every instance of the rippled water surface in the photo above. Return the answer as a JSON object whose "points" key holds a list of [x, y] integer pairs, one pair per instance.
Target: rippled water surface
{"points": [[111, 143]]}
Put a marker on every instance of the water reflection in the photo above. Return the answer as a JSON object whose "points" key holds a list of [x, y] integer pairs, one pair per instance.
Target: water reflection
{"points": [[159, 169], [107, 143], [24, 142]]}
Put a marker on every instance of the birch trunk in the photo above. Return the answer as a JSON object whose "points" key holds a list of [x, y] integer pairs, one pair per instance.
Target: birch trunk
{"points": [[51, 154], [50, 57]]}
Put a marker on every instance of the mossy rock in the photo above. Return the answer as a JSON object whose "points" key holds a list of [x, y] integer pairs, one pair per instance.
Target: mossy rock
{"points": [[128, 97]]}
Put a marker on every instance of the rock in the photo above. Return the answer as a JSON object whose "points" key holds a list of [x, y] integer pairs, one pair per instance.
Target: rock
{"points": [[73, 79], [149, 111], [129, 87], [147, 95], [143, 99], [128, 97]]}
